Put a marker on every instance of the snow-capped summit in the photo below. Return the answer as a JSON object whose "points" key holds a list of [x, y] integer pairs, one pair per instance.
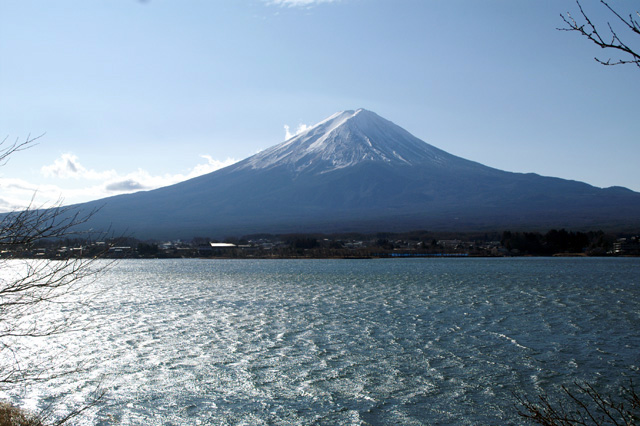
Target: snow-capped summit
{"points": [[345, 139]]}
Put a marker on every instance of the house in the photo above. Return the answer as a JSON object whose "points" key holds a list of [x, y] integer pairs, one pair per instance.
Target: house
{"points": [[627, 246]]}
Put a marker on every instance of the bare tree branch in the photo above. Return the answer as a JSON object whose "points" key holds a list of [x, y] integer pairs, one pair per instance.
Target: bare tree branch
{"points": [[42, 297], [7, 149], [588, 29], [584, 406]]}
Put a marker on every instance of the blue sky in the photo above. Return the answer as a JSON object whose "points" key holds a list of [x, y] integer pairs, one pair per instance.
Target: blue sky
{"points": [[139, 94]]}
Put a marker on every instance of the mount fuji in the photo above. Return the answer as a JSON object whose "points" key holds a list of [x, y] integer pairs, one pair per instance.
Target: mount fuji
{"points": [[356, 171]]}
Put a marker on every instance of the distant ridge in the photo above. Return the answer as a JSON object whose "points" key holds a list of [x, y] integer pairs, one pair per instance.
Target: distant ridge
{"points": [[356, 171]]}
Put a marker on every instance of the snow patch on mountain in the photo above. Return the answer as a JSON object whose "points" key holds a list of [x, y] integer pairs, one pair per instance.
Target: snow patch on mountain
{"points": [[345, 139]]}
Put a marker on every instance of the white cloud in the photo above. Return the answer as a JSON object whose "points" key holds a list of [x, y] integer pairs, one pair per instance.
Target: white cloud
{"points": [[299, 3], [9, 206], [126, 185], [142, 179], [210, 166], [18, 194], [301, 128], [90, 184], [68, 166]]}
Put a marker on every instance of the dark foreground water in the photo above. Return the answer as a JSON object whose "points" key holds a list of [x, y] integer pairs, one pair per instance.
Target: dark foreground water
{"points": [[346, 342]]}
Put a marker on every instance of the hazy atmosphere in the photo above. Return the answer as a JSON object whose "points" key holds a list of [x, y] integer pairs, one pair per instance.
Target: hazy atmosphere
{"points": [[132, 95]]}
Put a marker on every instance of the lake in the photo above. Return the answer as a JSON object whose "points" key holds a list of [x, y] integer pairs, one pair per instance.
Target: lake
{"points": [[349, 342]]}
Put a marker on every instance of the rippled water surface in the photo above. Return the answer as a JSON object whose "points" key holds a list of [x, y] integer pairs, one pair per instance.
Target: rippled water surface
{"points": [[328, 342]]}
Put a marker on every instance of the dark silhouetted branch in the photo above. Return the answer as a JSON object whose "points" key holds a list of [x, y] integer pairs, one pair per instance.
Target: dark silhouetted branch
{"points": [[584, 406], [589, 30]]}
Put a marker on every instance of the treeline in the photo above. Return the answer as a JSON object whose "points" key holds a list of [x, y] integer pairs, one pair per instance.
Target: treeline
{"points": [[506, 243], [316, 245], [595, 243]]}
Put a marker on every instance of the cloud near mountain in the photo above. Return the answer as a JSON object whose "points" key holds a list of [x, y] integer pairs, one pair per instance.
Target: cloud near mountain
{"points": [[72, 182], [68, 166], [301, 128], [128, 185]]}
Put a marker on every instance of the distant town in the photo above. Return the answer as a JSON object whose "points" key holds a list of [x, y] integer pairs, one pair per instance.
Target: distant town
{"points": [[379, 245]]}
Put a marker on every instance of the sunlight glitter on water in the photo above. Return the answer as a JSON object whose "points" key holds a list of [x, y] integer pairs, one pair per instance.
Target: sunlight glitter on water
{"points": [[421, 341]]}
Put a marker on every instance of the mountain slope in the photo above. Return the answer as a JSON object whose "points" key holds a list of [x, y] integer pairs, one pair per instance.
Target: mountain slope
{"points": [[356, 171], [346, 139]]}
